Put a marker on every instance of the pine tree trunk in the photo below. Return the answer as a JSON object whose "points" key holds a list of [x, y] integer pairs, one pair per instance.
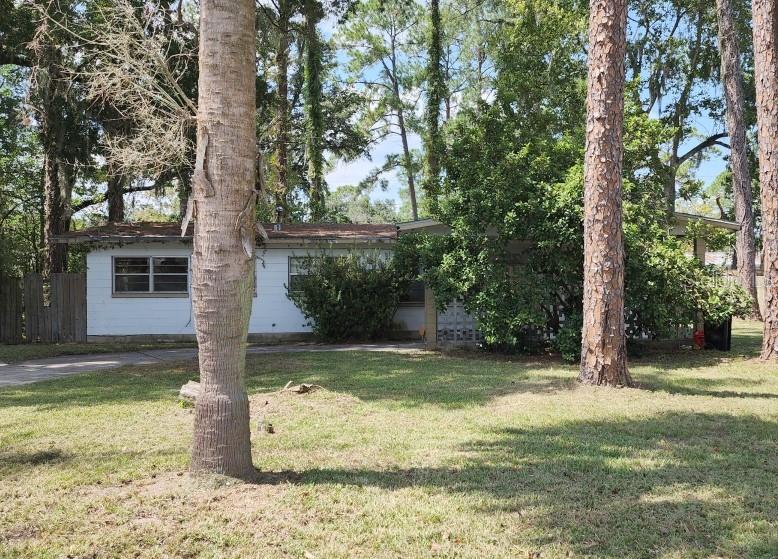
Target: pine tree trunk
{"points": [[408, 159], [398, 102], [282, 107], [221, 276], [435, 95], [603, 345], [765, 27], [732, 77], [313, 112]]}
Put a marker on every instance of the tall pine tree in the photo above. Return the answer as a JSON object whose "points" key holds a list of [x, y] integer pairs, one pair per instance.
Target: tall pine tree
{"points": [[603, 345]]}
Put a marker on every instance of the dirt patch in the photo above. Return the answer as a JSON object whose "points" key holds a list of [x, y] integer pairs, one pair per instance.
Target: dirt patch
{"points": [[283, 401], [19, 533]]}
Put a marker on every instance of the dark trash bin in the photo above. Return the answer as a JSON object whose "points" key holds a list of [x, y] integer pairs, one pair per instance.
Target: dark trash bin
{"points": [[719, 336]]}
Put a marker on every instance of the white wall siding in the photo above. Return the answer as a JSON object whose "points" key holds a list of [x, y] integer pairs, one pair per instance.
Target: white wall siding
{"points": [[272, 312], [410, 318], [107, 315]]}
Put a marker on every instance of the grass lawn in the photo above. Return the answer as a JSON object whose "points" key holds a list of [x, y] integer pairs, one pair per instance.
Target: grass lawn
{"points": [[24, 352], [405, 456]]}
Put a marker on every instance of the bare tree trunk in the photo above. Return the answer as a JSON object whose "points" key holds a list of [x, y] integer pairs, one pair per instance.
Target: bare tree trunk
{"points": [[765, 28], [407, 158], [57, 182], [603, 345], [408, 163], [732, 76], [223, 196], [115, 196], [282, 107], [55, 219], [681, 111]]}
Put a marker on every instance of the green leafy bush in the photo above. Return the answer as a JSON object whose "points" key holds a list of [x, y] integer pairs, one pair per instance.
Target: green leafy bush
{"points": [[350, 297], [568, 339], [513, 199]]}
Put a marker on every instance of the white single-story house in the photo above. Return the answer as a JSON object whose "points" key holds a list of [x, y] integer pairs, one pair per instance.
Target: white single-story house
{"points": [[138, 279]]}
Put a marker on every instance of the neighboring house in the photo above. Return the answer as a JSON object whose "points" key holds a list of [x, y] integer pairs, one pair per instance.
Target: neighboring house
{"points": [[138, 278]]}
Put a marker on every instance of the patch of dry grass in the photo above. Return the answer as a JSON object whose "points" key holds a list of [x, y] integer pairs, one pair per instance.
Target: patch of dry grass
{"points": [[404, 456]]}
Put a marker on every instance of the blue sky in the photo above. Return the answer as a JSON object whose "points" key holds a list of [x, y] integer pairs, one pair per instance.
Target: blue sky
{"points": [[353, 172]]}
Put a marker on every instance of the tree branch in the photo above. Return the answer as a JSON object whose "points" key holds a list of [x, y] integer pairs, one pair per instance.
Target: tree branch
{"points": [[83, 204], [706, 143]]}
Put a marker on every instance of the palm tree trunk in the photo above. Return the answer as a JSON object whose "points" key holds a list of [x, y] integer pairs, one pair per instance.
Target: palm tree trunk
{"points": [[732, 77], [221, 276], [765, 28], [603, 346]]}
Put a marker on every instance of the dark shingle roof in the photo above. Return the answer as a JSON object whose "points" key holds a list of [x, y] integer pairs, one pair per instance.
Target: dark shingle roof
{"points": [[156, 231]]}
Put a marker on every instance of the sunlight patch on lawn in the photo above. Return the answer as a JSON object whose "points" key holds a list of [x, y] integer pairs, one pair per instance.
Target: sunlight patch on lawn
{"points": [[403, 456]]}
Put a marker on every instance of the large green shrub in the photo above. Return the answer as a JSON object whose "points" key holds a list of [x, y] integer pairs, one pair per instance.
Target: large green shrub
{"points": [[513, 198], [351, 297]]}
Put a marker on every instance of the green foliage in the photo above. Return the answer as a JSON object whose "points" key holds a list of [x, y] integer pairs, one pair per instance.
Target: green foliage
{"points": [[720, 300], [353, 204], [382, 49], [513, 198], [351, 297], [715, 238], [21, 196], [568, 340], [666, 288]]}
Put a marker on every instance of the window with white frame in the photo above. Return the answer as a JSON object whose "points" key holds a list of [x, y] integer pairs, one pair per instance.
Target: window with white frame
{"points": [[136, 275], [298, 268]]}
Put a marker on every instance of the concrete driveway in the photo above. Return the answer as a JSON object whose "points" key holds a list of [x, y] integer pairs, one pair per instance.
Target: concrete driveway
{"points": [[36, 370]]}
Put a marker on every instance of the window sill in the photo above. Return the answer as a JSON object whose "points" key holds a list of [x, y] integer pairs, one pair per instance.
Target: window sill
{"points": [[150, 295]]}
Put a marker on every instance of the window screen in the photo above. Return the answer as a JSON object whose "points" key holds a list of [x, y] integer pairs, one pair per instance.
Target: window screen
{"points": [[298, 267], [136, 274]]}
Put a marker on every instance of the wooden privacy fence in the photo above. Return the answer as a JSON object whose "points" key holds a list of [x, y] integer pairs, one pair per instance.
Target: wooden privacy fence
{"points": [[10, 310], [33, 311]]}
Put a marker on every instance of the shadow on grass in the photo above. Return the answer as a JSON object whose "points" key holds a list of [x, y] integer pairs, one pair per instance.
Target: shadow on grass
{"points": [[113, 386], [690, 386], [87, 465], [20, 459], [405, 380], [746, 342], [411, 380], [679, 484]]}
